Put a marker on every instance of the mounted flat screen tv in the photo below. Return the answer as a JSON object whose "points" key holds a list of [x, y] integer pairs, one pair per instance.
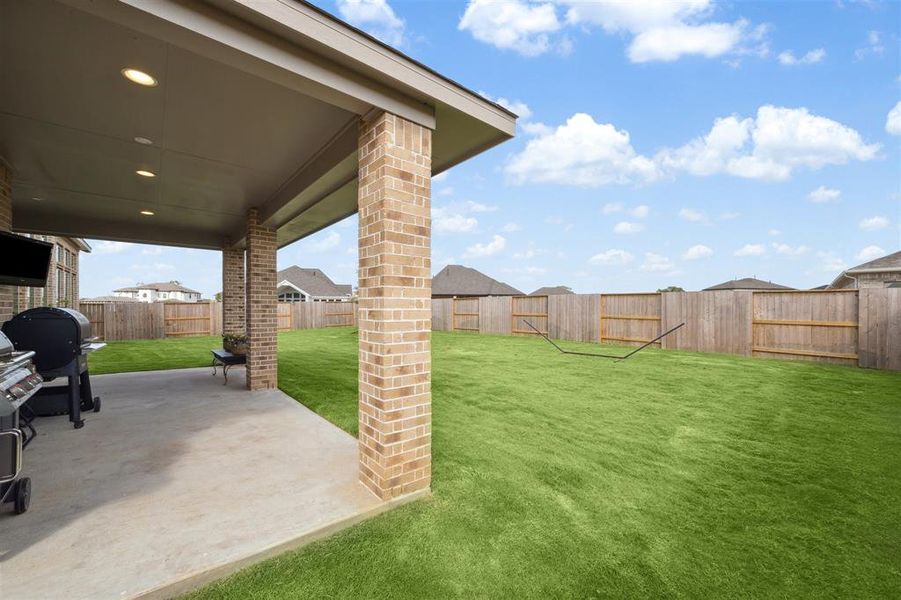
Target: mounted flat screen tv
{"points": [[24, 261]]}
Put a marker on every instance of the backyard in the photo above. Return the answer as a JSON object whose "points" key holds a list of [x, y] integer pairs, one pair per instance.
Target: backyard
{"points": [[670, 474]]}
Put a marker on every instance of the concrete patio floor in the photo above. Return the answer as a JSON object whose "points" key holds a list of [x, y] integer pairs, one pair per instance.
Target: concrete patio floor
{"points": [[178, 480]]}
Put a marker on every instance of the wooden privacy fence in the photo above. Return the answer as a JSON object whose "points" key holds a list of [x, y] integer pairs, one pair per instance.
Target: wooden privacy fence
{"points": [[115, 321], [838, 326]]}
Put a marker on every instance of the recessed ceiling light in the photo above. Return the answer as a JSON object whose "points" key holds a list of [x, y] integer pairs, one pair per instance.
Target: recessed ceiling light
{"points": [[144, 173], [139, 77], [143, 140], [149, 213], [36, 198]]}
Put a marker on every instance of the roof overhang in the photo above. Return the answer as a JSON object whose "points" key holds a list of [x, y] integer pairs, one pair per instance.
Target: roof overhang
{"points": [[257, 106]]}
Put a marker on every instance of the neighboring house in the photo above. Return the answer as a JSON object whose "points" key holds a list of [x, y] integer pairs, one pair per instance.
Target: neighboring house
{"points": [[465, 282], [747, 283], [878, 273], [159, 292], [552, 291], [62, 277], [297, 284]]}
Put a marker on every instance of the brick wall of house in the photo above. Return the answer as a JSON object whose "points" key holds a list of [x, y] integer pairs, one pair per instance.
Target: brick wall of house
{"points": [[7, 293], [395, 402], [261, 310], [233, 290]]}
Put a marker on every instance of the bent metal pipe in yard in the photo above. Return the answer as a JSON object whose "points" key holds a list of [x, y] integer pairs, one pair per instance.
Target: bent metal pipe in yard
{"points": [[599, 355]]}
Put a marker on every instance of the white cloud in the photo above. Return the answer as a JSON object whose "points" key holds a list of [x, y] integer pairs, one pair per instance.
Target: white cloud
{"points": [[824, 195], [893, 120], [812, 57], [528, 254], [612, 207], [641, 211], [672, 43], [751, 250], [327, 243], [697, 252], [477, 207], [614, 256], [440, 177], [516, 25], [729, 216], [775, 232], [446, 221], [656, 263], [581, 152], [663, 30], [787, 250], [874, 223], [626, 228], [105, 247], [870, 253], [479, 250], [692, 216], [511, 227], [874, 46], [152, 251], [831, 262], [769, 146], [376, 17]]}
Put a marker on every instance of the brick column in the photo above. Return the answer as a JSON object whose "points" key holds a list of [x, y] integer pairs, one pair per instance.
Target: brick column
{"points": [[233, 290], [7, 292], [261, 310], [395, 402]]}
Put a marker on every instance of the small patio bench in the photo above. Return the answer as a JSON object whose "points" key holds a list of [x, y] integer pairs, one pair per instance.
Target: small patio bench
{"points": [[226, 359]]}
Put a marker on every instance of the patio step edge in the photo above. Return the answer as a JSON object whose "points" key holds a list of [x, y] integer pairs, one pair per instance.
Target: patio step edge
{"points": [[203, 577]]}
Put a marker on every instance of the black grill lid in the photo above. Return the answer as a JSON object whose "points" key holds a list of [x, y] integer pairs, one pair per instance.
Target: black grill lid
{"points": [[55, 335]]}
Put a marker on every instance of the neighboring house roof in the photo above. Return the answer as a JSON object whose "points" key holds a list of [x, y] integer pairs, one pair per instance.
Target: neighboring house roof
{"points": [[747, 283], [163, 286], [884, 264], [552, 291], [457, 280], [314, 282]]}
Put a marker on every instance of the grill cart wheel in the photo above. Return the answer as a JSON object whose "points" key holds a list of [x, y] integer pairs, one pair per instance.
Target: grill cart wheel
{"points": [[23, 495], [96, 404]]}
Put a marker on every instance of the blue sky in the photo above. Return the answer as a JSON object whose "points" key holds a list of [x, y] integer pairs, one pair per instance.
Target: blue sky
{"points": [[675, 143]]}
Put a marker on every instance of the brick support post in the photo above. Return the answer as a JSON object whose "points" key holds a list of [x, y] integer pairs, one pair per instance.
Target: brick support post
{"points": [[395, 402], [7, 292], [261, 310], [233, 290]]}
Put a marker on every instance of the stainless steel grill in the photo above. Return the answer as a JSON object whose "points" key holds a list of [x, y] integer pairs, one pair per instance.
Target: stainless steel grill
{"points": [[19, 382]]}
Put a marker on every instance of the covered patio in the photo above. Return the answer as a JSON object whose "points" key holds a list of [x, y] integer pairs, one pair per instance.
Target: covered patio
{"points": [[177, 485], [240, 126]]}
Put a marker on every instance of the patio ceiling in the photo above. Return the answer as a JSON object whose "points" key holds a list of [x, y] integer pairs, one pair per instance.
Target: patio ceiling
{"points": [[257, 105]]}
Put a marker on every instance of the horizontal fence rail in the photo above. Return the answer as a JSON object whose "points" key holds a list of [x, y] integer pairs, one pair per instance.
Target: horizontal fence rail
{"points": [[846, 327]]}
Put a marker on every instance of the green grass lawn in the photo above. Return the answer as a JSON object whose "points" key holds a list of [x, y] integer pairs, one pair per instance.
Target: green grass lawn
{"points": [[670, 474]]}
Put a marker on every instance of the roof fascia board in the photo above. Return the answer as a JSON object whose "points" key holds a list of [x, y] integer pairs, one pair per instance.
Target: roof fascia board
{"points": [[351, 46], [215, 34]]}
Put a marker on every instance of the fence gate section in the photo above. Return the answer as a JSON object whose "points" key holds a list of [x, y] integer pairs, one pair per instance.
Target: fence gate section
{"points": [[187, 318], [818, 325], [630, 318], [338, 314], [466, 314], [532, 309]]}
